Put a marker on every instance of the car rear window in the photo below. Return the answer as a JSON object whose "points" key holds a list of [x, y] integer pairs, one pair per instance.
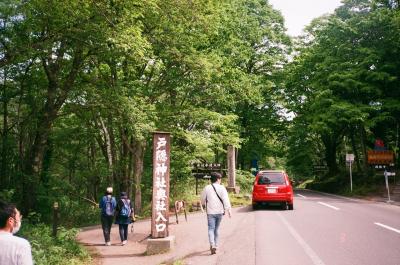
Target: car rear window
{"points": [[271, 178]]}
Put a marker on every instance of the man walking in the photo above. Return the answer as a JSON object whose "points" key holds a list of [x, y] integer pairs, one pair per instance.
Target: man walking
{"points": [[216, 199], [13, 250], [107, 205]]}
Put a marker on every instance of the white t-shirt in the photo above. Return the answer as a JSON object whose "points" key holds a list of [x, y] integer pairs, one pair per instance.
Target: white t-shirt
{"points": [[214, 205], [14, 250]]}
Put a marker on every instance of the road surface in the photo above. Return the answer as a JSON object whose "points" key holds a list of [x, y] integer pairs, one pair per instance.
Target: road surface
{"points": [[321, 230]]}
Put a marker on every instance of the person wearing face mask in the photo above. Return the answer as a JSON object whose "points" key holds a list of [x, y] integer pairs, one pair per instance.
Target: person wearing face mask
{"points": [[107, 205], [13, 250]]}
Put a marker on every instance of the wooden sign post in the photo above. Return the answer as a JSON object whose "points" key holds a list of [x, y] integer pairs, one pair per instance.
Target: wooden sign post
{"points": [[161, 169], [231, 161]]}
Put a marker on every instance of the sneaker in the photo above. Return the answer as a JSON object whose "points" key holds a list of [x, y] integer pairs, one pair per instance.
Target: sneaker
{"points": [[124, 242], [213, 250], [108, 243]]}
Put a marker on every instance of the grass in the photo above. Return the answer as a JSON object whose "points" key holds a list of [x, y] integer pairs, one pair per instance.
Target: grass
{"points": [[238, 200]]}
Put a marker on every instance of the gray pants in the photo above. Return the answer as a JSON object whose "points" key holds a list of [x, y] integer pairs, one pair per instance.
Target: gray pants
{"points": [[106, 223]]}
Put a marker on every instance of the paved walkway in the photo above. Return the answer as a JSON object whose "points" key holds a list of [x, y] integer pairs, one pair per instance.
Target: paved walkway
{"points": [[191, 242]]}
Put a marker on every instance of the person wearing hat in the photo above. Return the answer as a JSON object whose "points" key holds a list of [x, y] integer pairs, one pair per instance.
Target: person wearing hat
{"points": [[215, 198], [107, 205], [124, 216]]}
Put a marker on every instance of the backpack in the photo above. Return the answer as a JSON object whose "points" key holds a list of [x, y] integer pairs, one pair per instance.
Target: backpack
{"points": [[108, 207], [126, 209]]}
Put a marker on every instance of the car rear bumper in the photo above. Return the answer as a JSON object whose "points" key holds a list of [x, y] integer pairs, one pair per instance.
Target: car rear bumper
{"points": [[283, 197]]}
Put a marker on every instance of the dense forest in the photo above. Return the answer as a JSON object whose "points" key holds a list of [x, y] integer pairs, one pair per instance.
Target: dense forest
{"points": [[344, 87], [83, 84]]}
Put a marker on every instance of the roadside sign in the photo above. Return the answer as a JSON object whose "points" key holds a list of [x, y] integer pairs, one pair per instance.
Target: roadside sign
{"points": [[389, 173], [161, 177], [203, 171], [349, 158], [318, 168], [386, 174], [380, 157]]}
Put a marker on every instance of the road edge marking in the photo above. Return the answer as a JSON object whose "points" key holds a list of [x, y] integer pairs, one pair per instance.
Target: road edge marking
{"points": [[330, 206], [311, 253], [388, 227], [298, 194]]}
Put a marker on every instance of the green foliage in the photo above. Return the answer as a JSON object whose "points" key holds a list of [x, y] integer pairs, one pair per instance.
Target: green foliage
{"points": [[245, 180], [341, 85], [47, 250], [7, 195]]}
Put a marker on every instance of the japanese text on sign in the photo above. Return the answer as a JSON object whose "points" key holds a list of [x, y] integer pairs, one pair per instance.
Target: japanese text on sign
{"points": [[160, 185]]}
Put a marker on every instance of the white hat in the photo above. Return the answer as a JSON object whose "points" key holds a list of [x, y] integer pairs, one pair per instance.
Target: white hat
{"points": [[109, 190]]}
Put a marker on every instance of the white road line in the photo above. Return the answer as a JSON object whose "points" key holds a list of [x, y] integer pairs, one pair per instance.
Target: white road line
{"points": [[301, 195], [388, 227], [330, 206], [313, 256]]}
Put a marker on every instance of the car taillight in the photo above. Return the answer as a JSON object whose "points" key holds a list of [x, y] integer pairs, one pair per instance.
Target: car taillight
{"points": [[258, 188]]}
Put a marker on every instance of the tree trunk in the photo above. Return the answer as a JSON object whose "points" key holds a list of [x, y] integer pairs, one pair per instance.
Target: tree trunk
{"points": [[58, 87], [34, 158], [131, 175], [124, 161], [364, 150], [4, 151], [138, 157], [330, 153], [354, 147], [108, 151]]}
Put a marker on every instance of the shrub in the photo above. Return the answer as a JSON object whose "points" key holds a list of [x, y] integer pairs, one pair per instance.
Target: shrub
{"points": [[47, 250], [245, 180]]}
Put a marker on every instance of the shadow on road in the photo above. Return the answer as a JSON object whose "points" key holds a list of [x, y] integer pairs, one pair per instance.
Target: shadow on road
{"points": [[114, 256], [269, 208], [92, 244], [245, 209], [203, 253]]}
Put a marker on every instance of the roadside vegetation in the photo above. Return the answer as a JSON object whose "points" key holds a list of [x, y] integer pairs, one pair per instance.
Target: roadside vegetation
{"points": [[62, 250], [83, 84]]}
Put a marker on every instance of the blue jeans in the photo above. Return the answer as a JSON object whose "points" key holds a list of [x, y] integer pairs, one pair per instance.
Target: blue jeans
{"points": [[213, 224]]}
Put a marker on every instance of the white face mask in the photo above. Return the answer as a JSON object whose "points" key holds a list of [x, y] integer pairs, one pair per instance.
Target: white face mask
{"points": [[17, 226]]}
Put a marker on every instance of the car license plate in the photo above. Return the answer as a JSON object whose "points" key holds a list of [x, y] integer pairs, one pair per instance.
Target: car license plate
{"points": [[271, 190]]}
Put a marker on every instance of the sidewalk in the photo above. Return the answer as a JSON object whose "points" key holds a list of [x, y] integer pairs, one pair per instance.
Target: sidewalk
{"points": [[191, 242]]}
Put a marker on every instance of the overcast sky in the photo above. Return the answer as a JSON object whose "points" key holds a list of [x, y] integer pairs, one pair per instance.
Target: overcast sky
{"points": [[299, 13]]}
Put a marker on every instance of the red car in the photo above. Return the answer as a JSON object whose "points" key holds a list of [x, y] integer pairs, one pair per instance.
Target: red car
{"points": [[272, 187]]}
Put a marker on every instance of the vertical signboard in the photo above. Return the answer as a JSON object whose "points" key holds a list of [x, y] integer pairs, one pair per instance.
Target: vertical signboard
{"points": [[350, 160], [160, 202]]}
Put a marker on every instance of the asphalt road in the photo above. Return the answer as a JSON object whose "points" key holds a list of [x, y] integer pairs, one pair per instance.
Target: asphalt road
{"points": [[328, 230]]}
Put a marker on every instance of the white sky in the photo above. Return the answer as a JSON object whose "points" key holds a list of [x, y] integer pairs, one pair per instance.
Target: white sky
{"points": [[299, 13]]}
